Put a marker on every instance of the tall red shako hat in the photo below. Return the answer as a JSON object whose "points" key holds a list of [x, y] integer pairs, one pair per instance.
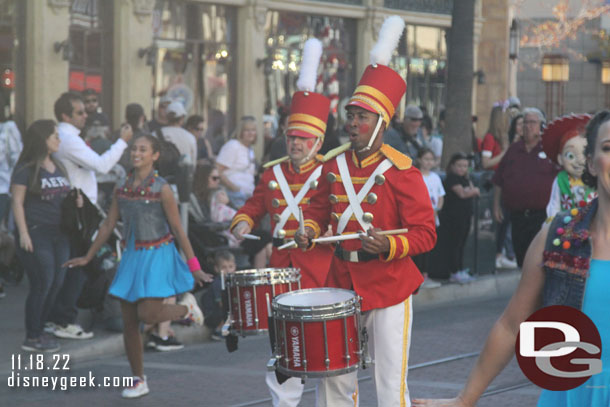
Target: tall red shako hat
{"points": [[381, 88], [560, 130], [308, 110]]}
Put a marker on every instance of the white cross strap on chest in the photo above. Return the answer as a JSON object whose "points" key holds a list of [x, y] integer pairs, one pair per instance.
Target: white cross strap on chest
{"points": [[353, 198], [292, 202]]}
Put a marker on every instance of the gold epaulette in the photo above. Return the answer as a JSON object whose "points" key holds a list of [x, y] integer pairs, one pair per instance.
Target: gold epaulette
{"points": [[400, 161], [319, 158], [336, 151], [278, 161]]}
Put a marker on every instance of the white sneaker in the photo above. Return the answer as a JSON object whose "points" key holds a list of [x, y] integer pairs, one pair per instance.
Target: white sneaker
{"points": [[429, 283], [461, 277], [71, 331], [139, 388], [499, 262], [508, 263], [194, 313]]}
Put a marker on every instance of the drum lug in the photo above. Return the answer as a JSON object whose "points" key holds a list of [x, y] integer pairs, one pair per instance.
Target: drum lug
{"points": [[271, 364]]}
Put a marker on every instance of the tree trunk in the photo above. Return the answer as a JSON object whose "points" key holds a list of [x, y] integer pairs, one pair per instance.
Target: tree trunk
{"points": [[458, 128]]}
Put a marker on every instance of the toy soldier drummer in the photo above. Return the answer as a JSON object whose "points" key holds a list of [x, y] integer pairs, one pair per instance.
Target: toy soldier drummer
{"points": [[287, 185], [368, 186]]}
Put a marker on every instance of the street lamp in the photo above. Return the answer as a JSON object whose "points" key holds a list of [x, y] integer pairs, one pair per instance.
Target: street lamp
{"points": [[555, 73], [606, 81]]}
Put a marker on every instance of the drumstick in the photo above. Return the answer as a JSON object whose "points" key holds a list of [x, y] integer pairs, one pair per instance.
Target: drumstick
{"points": [[340, 238], [288, 245], [222, 280], [250, 237]]}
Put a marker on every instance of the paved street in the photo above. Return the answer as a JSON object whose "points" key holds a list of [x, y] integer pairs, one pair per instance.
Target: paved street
{"points": [[206, 375]]}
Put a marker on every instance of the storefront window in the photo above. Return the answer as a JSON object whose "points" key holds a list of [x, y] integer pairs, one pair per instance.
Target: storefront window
{"points": [[8, 46], [286, 34], [195, 59], [86, 59], [421, 59]]}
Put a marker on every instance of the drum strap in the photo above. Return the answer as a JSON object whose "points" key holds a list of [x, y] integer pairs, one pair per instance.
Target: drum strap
{"points": [[292, 202], [353, 198]]}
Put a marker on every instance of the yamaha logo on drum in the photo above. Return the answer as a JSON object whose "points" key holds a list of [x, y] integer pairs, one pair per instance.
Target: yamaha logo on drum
{"points": [[248, 307], [296, 347]]}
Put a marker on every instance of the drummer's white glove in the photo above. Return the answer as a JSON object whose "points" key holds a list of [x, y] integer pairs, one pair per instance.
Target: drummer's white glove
{"points": [[241, 229]]}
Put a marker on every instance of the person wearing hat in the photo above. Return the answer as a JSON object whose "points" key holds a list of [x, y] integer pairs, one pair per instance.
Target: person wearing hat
{"points": [[288, 184], [373, 187], [407, 139], [175, 133], [564, 143], [160, 118]]}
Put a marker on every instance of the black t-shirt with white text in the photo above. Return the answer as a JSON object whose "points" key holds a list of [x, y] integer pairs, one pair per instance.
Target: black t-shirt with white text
{"points": [[43, 208]]}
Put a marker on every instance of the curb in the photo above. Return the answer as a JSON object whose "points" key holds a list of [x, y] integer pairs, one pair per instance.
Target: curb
{"points": [[486, 286]]}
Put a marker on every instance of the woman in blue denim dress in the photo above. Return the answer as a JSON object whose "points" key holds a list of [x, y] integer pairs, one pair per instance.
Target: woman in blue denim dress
{"points": [[151, 268], [568, 263]]}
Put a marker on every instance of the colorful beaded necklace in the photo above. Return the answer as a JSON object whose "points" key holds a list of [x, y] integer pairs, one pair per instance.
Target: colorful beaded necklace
{"points": [[145, 186]]}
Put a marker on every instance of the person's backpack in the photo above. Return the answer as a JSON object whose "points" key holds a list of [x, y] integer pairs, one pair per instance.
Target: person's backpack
{"points": [[168, 163]]}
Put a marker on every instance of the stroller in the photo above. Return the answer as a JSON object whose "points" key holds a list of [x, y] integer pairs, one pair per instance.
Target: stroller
{"points": [[207, 238]]}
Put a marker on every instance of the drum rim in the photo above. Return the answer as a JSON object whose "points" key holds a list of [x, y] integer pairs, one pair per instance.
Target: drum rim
{"points": [[264, 276], [308, 290], [317, 373], [318, 313]]}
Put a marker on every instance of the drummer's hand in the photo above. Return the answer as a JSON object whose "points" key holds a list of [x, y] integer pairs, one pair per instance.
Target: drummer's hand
{"points": [[201, 277], [375, 243], [456, 402], [303, 240], [241, 229]]}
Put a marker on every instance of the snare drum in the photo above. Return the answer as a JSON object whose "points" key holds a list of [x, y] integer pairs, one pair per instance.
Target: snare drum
{"points": [[317, 332], [248, 291]]}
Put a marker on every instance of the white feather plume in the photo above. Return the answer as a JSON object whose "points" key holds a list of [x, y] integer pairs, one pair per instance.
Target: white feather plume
{"points": [[309, 65], [389, 35]]}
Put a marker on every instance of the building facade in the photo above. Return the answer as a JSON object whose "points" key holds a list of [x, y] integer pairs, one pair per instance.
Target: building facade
{"points": [[223, 58]]}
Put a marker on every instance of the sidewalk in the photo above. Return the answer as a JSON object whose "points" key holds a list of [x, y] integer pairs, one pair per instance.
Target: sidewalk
{"points": [[106, 343]]}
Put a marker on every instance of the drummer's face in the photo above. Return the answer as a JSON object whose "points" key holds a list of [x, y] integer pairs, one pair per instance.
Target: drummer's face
{"points": [[299, 147], [225, 266]]}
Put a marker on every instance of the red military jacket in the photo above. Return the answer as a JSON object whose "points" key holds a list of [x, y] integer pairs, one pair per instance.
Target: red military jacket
{"points": [[268, 198], [398, 199]]}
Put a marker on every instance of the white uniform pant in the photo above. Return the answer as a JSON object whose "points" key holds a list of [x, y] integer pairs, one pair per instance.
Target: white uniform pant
{"points": [[389, 332], [287, 394]]}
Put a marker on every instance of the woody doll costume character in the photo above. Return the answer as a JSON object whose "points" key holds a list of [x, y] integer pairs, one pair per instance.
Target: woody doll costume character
{"points": [[287, 184], [564, 143], [373, 187]]}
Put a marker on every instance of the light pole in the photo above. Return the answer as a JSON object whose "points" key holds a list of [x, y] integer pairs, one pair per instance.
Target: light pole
{"points": [[555, 73]]}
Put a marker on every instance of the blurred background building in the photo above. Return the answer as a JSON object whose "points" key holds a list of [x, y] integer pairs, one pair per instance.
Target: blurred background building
{"points": [[228, 58]]}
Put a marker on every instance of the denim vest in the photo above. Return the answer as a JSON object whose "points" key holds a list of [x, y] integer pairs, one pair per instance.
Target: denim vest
{"points": [[142, 212], [567, 255]]}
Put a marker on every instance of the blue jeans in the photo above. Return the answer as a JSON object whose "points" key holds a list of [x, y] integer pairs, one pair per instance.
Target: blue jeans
{"points": [[64, 310], [45, 274]]}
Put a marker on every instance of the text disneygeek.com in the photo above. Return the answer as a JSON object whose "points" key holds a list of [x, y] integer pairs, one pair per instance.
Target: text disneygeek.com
{"points": [[49, 371]]}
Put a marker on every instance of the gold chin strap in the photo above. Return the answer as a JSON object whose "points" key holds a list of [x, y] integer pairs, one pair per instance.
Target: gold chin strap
{"points": [[372, 140]]}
